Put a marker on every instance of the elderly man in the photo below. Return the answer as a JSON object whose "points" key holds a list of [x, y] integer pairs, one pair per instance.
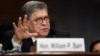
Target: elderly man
{"points": [[33, 23]]}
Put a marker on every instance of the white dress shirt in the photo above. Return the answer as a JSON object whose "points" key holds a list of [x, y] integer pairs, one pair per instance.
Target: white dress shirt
{"points": [[17, 46]]}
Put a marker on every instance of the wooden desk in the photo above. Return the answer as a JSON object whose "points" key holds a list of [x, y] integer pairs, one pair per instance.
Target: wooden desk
{"points": [[33, 53], [52, 54]]}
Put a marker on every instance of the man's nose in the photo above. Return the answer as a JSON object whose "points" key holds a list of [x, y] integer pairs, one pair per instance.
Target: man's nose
{"points": [[44, 22]]}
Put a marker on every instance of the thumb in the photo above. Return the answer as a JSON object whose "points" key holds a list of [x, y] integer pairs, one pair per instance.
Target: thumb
{"points": [[33, 34]]}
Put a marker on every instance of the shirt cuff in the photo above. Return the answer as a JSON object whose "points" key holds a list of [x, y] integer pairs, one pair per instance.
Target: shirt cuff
{"points": [[16, 45]]}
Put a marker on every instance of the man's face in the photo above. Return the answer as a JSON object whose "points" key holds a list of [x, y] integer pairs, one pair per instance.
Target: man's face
{"points": [[39, 22]]}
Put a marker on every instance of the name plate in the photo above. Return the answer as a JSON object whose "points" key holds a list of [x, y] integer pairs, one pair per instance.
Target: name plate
{"points": [[60, 44]]}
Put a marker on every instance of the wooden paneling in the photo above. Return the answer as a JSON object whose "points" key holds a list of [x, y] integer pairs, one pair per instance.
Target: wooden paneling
{"points": [[9, 9]]}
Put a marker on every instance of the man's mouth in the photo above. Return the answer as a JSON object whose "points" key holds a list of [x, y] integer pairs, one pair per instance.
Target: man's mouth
{"points": [[45, 29]]}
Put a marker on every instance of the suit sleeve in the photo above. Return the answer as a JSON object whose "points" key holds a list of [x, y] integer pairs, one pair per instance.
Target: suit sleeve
{"points": [[6, 40]]}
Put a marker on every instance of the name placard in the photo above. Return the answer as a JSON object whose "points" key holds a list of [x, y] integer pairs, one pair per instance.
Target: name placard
{"points": [[60, 44]]}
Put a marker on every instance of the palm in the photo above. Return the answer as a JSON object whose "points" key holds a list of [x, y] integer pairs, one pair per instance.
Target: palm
{"points": [[21, 31]]}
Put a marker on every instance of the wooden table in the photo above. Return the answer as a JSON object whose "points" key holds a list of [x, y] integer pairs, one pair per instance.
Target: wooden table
{"points": [[52, 54], [33, 53]]}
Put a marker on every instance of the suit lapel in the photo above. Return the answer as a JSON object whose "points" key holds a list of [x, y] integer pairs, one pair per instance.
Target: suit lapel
{"points": [[27, 43]]}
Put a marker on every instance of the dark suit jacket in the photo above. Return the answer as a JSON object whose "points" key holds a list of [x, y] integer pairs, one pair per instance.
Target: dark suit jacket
{"points": [[27, 43]]}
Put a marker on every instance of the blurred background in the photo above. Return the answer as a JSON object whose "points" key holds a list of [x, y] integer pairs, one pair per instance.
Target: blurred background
{"points": [[81, 18]]}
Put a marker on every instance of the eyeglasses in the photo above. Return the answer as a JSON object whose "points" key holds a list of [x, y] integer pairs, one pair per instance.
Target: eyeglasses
{"points": [[40, 20]]}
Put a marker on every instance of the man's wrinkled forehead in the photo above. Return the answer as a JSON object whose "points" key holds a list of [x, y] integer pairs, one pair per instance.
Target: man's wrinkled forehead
{"points": [[39, 13]]}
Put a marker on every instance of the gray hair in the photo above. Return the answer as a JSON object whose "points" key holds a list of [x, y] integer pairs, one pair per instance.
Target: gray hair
{"points": [[30, 6]]}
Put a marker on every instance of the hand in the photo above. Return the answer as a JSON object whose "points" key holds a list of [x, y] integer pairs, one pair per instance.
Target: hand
{"points": [[21, 31]]}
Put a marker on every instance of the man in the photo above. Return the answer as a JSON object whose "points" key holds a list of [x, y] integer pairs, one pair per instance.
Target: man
{"points": [[34, 22]]}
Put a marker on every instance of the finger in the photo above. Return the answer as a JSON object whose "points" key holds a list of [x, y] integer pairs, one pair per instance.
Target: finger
{"points": [[20, 22], [25, 20], [14, 26], [33, 17], [25, 23], [29, 22], [31, 35]]}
